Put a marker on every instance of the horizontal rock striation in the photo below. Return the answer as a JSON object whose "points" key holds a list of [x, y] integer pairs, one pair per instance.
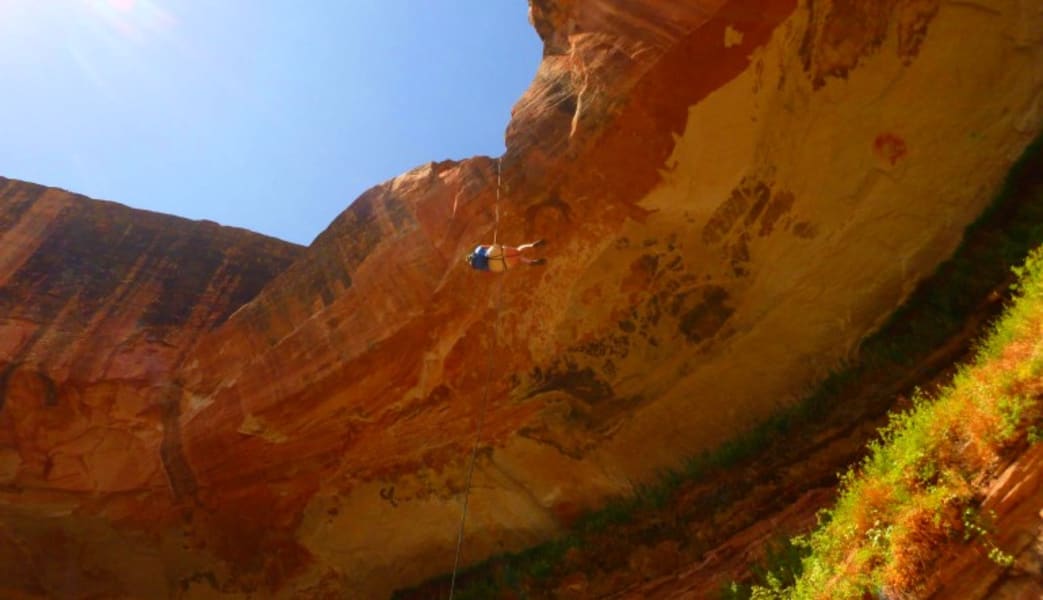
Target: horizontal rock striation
{"points": [[98, 305]]}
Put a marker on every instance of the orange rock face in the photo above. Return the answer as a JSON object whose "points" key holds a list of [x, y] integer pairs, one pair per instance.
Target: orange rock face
{"points": [[734, 192], [98, 305]]}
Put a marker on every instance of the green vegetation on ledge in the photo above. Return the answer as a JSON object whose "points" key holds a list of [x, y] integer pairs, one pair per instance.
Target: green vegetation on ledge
{"points": [[919, 487]]}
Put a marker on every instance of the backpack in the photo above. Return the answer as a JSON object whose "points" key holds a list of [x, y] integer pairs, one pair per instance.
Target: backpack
{"points": [[480, 258]]}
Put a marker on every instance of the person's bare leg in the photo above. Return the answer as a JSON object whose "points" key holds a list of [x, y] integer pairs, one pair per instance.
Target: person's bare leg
{"points": [[512, 257], [531, 245]]}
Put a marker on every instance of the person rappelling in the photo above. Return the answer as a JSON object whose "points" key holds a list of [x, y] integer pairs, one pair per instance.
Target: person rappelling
{"points": [[499, 258]]}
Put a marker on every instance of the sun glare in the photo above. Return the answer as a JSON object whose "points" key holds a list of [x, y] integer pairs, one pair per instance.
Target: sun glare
{"points": [[133, 19]]}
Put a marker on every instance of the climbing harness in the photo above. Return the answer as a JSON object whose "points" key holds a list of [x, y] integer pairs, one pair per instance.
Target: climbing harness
{"points": [[483, 255], [485, 400]]}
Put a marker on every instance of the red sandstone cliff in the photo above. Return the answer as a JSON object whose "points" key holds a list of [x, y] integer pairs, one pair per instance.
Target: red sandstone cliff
{"points": [[735, 193], [98, 305]]}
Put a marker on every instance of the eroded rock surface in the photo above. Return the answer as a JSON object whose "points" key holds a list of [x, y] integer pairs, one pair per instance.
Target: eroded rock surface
{"points": [[735, 192], [98, 305]]}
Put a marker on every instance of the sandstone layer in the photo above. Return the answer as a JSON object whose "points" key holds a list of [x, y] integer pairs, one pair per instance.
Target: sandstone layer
{"points": [[735, 192], [98, 305]]}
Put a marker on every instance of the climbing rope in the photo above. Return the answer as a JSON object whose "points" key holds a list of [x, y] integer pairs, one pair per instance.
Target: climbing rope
{"points": [[482, 407], [496, 206]]}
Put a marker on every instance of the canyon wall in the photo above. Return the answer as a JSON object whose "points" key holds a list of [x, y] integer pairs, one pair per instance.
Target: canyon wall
{"points": [[734, 192], [98, 305]]}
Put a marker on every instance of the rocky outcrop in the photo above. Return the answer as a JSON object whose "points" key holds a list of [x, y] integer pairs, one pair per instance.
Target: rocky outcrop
{"points": [[735, 193], [1012, 511], [97, 291], [98, 305]]}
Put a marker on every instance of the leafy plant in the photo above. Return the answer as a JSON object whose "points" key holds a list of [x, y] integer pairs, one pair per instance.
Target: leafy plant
{"points": [[977, 528]]}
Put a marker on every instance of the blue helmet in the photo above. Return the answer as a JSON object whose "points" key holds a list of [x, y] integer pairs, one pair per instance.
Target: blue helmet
{"points": [[478, 259]]}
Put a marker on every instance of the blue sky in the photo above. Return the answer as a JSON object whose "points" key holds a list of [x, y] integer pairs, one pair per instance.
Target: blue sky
{"points": [[271, 115]]}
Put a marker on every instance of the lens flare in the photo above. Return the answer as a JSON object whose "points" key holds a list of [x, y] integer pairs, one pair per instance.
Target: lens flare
{"points": [[135, 20], [123, 5]]}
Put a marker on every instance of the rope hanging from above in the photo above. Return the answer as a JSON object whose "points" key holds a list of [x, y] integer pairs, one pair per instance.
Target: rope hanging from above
{"points": [[496, 206], [482, 408]]}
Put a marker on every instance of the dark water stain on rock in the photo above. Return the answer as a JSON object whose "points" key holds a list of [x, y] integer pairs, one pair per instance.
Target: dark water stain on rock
{"points": [[180, 475], [581, 383], [780, 205], [388, 495], [50, 390], [350, 239], [94, 256], [805, 230], [185, 272], [841, 33], [740, 255], [612, 345], [759, 193], [747, 203], [399, 214], [18, 197], [913, 20], [703, 321], [758, 208], [726, 215], [642, 273], [648, 263], [38, 385], [5, 377], [359, 231]]}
